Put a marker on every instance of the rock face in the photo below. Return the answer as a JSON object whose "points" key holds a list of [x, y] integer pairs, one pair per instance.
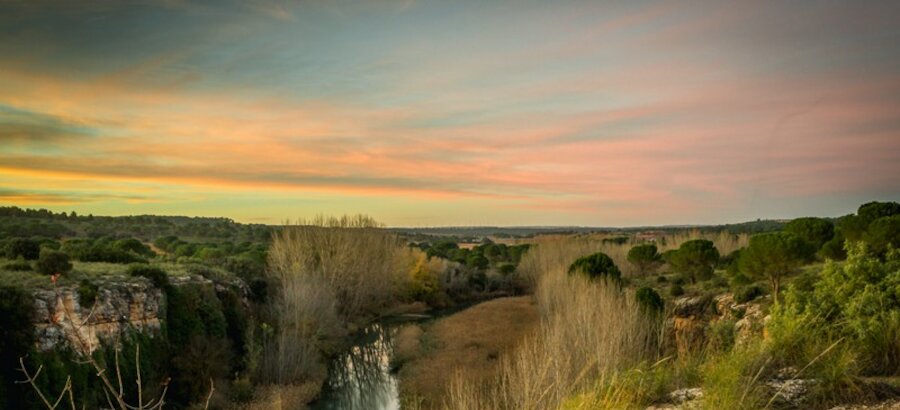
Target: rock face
{"points": [[690, 315], [60, 317]]}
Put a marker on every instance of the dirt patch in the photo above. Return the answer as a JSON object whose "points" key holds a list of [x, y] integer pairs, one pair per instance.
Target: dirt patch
{"points": [[472, 339]]}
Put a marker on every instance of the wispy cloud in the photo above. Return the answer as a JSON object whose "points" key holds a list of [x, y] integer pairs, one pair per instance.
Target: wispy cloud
{"points": [[625, 113]]}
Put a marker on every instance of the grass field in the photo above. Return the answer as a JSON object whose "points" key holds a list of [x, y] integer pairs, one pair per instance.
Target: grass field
{"points": [[472, 339]]}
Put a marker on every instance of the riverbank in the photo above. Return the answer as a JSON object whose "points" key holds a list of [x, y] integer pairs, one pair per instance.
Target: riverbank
{"points": [[472, 339]]}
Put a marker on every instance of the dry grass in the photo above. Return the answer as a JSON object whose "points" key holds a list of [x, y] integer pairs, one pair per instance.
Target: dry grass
{"points": [[473, 339], [589, 331], [559, 251], [272, 397], [329, 270]]}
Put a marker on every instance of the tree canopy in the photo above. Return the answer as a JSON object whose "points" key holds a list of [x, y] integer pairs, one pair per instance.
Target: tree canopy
{"points": [[645, 257], [816, 231], [695, 259], [775, 255], [596, 266]]}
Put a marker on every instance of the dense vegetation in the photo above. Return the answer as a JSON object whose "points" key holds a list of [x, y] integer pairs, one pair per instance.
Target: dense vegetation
{"points": [[248, 307], [231, 313], [836, 324]]}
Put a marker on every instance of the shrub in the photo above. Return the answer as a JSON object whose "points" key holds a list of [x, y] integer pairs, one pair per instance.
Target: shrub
{"points": [[241, 391], [506, 269], [857, 300], [24, 248], [720, 335], [815, 231], [53, 262], [18, 265], [730, 380], [645, 258], [676, 290], [649, 300], [774, 256], [598, 265], [87, 293], [745, 294], [696, 259], [157, 276], [16, 337], [834, 249], [883, 234]]}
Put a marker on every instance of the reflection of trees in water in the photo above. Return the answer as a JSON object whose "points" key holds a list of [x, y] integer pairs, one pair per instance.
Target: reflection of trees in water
{"points": [[361, 378]]}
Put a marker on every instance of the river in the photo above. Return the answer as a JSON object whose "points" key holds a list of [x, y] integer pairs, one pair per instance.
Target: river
{"points": [[361, 377]]}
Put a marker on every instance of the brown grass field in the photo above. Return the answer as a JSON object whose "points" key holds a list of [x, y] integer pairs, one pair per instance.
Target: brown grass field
{"points": [[472, 339]]}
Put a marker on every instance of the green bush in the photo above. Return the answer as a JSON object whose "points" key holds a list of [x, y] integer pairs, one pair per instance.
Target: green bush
{"points": [[695, 259], [157, 276], [720, 335], [53, 262], [87, 293], [24, 248], [834, 249], [649, 300], [745, 294], [815, 231], [773, 256], [241, 391], [676, 290], [596, 266], [197, 331], [883, 234], [18, 265], [16, 338], [645, 258], [858, 300]]}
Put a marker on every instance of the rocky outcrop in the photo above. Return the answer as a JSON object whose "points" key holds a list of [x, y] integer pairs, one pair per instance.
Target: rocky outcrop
{"points": [[61, 317], [690, 316]]}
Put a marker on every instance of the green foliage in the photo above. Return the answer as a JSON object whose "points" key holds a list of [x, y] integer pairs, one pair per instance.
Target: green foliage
{"points": [[834, 248], [676, 290], [87, 292], [883, 234], [16, 337], [477, 261], [53, 262], [773, 256], [616, 240], [815, 231], [197, 332], [649, 300], [855, 226], [157, 276], [747, 293], [23, 248], [596, 266], [720, 335], [858, 300], [730, 380], [18, 265], [645, 258], [872, 211], [696, 259], [241, 391]]}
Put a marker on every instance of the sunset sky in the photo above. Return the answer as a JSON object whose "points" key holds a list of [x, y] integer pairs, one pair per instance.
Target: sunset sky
{"points": [[451, 113]]}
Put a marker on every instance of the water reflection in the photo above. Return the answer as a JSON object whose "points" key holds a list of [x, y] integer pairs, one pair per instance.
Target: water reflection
{"points": [[360, 379]]}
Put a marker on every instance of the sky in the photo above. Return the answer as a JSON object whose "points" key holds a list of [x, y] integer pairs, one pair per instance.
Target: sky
{"points": [[426, 113]]}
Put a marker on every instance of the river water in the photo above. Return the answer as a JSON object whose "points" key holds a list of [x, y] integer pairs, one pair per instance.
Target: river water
{"points": [[361, 377]]}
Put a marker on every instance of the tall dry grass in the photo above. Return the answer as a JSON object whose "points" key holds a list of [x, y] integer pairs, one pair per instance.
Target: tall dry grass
{"points": [[327, 270], [591, 332], [559, 251]]}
